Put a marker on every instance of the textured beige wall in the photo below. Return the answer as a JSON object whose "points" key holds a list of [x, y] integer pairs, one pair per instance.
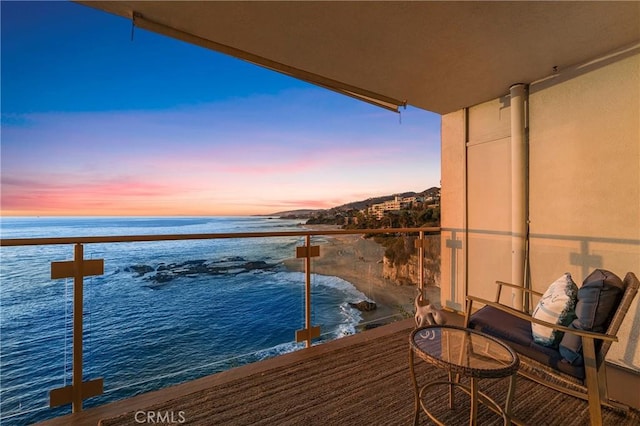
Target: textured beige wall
{"points": [[489, 196], [585, 180], [475, 152], [584, 149], [475, 222]]}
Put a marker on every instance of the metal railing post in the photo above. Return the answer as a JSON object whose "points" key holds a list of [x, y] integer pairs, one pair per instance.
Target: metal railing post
{"points": [[307, 293], [307, 251], [78, 311], [419, 244], [421, 261], [78, 268]]}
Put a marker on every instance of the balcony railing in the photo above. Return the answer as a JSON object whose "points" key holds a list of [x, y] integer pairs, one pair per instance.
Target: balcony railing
{"points": [[93, 311]]}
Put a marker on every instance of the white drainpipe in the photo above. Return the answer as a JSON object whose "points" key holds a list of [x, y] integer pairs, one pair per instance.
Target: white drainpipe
{"points": [[519, 176]]}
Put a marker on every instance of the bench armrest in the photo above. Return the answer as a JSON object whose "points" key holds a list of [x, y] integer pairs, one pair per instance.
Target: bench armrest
{"points": [[501, 284]]}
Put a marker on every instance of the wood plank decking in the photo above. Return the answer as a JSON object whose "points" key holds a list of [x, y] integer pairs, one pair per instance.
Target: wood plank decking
{"points": [[359, 380]]}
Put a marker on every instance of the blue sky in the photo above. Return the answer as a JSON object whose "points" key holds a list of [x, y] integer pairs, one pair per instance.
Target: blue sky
{"points": [[96, 124]]}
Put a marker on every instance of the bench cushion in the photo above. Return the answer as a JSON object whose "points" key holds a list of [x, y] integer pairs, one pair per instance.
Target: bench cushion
{"points": [[598, 299], [516, 333], [556, 306]]}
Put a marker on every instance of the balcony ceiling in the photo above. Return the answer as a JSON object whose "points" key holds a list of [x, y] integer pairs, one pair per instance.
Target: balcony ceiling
{"points": [[439, 56]]}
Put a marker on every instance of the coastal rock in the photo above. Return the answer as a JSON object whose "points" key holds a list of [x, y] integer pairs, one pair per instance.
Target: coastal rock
{"points": [[194, 268], [408, 273], [258, 264], [364, 306], [163, 278], [139, 269]]}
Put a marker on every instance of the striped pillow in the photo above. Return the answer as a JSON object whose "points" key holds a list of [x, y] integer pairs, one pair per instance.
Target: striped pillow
{"points": [[557, 306]]}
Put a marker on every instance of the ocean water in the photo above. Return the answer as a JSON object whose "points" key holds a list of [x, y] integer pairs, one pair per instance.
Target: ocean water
{"points": [[162, 313]]}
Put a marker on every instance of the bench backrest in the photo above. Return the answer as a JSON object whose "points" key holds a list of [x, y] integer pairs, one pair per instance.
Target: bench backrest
{"points": [[631, 285]]}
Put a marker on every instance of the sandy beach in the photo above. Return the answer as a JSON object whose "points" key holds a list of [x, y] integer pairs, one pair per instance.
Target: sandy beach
{"points": [[359, 261]]}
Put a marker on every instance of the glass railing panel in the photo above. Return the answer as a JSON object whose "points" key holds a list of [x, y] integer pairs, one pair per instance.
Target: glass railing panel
{"points": [[172, 313], [35, 331], [397, 275], [378, 274], [353, 266]]}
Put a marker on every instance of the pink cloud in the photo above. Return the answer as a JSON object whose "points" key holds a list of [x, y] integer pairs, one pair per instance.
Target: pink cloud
{"points": [[59, 197]]}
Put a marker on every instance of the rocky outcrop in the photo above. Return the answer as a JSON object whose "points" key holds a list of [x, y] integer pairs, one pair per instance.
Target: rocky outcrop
{"points": [[408, 272], [139, 269], [163, 273], [364, 306]]}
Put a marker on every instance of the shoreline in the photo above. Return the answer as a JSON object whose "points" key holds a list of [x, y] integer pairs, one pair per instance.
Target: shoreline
{"points": [[359, 261]]}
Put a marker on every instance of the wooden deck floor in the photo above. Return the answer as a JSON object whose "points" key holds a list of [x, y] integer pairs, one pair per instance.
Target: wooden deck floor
{"points": [[94, 415], [360, 380]]}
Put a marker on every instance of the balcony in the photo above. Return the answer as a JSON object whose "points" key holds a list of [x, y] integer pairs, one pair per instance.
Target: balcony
{"points": [[360, 378]]}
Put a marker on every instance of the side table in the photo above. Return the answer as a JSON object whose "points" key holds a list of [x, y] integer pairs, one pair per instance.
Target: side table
{"points": [[463, 352]]}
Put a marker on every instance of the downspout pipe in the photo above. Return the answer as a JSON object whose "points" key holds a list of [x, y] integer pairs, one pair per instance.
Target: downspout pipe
{"points": [[519, 184]]}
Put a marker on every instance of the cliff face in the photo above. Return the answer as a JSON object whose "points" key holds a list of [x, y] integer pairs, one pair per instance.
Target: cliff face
{"points": [[408, 272]]}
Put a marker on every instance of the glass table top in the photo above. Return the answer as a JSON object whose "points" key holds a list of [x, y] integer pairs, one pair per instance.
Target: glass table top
{"points": [[465, 351]]}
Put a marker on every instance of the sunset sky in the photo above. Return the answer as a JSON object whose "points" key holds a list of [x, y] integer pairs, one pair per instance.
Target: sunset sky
{"points": [[96, 124]]}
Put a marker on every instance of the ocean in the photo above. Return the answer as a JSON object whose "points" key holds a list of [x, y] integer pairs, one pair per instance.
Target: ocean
{"points": [[161, 314]]}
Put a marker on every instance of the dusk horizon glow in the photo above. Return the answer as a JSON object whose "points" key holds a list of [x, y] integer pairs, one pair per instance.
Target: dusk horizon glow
{"points": [[94, 124]]}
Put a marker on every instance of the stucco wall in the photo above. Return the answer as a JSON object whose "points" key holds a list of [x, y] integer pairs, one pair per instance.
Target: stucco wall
{"points": [[584, 185], [584, 149], [489, 195]]}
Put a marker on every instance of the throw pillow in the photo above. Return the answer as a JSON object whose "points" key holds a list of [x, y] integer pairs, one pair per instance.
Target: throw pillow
{"points": [[598, 299], [557, 306]]}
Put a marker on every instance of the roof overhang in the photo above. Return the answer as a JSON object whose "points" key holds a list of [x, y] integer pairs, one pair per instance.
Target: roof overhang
{"points": [[439, 56]]}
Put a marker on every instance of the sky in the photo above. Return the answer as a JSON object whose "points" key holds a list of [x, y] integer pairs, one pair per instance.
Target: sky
{"points": [[97, 124]]}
